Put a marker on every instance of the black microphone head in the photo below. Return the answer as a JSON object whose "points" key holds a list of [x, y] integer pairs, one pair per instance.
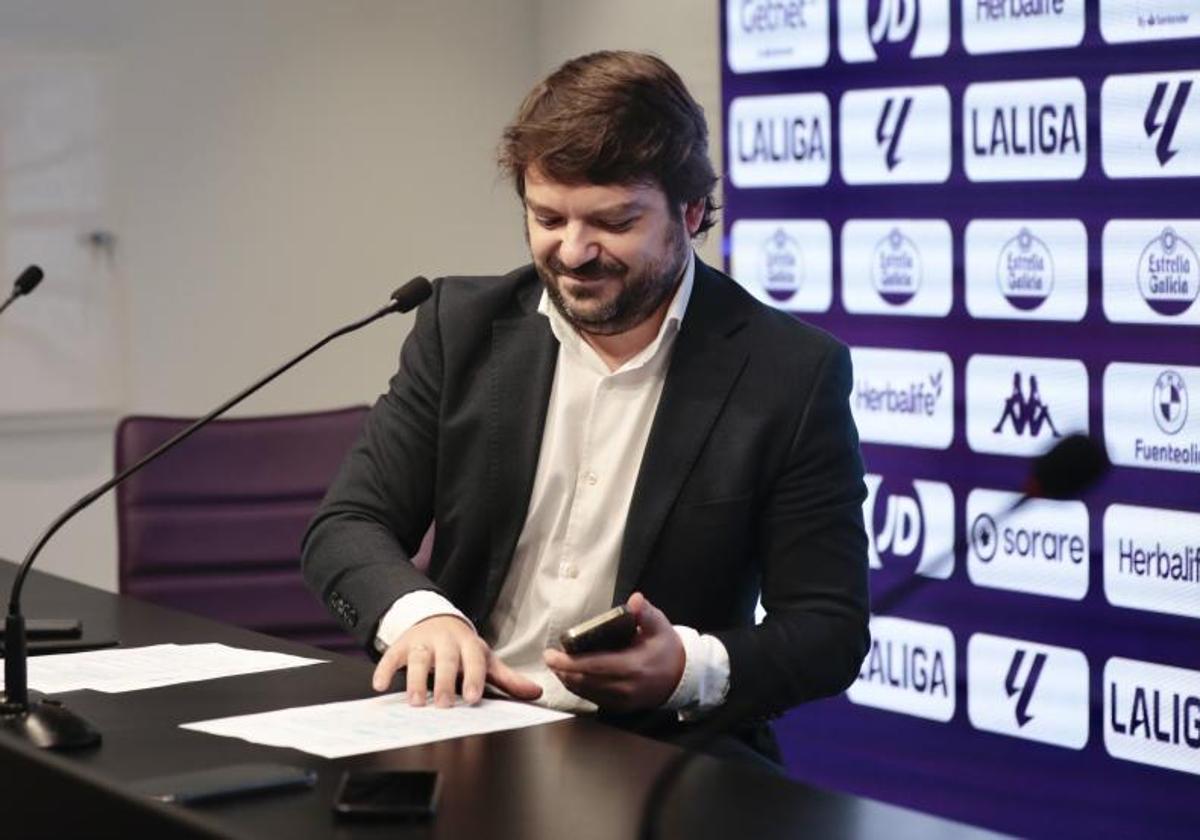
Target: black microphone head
{"points": [[412, 294], [1067, 469], [28, 281]]}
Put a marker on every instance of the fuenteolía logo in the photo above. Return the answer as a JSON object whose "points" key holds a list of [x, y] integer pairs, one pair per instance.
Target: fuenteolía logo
{"points": [[897, 267], [1020, 405], [903, 397], [787, 263], [871, 30], [776, 34], [910, 526], [1172, 440], [1026, 269], [1170, 403], [1028, 690], [1150, 125]]}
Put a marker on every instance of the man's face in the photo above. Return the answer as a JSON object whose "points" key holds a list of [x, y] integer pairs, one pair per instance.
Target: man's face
{"points": [[609, 256]]}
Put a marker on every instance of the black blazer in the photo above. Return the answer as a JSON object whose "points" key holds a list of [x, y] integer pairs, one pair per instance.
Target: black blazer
{"points": [[751, 478]]}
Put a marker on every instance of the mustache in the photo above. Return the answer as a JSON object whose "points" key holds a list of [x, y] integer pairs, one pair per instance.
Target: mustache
{"points": [[594, 269]]}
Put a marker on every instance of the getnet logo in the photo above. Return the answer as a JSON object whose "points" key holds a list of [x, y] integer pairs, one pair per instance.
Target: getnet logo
{"points": [[897, 267], [1160, 259], [911, 529], [1020, 405], [779, 141], [1147, 418], [910, 669], [991, 26], [787, 263], [1028, 690], [903, 397], [1025, 131], [776, 34], [892, 29], [1040, 547], [1152, 559], [1150, 125], [1149, 20], [1026, 269], [895, 135], [1152, 714]]}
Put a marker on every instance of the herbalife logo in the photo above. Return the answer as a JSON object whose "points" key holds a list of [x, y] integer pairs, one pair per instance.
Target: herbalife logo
{"points": [[1026, 413], [1168, 273], [783, 266], [1022, 687], [1170, 402], [891, 126], [1155, 123], [1025, 271], [896, 269]]}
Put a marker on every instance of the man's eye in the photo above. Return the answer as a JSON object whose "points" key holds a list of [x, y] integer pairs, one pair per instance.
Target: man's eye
{"points": [[547, 221], [618, 226]]}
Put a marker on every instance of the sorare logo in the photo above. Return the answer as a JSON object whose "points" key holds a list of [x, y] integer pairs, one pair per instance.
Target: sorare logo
{"points": [[882, 30], [1150, 125], [910, 525], [1026, 269], [1028, 690]]}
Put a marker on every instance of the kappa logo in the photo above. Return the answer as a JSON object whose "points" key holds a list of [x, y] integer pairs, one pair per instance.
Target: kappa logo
{"points": [[916, 525], [1026, 413], [889, 129], [1023, 688], [1155, 123], [783, 273], [1170, 402]]}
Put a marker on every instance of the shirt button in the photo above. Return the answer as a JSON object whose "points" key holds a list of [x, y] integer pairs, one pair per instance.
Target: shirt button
{"points": [[569, 570], [590, 478]]}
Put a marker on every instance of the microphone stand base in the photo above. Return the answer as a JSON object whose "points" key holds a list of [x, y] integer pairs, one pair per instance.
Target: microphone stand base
{"points": [[47, 724]]}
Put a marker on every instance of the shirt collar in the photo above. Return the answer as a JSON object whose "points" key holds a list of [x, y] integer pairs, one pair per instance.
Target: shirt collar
{"points": [[569, 338]]}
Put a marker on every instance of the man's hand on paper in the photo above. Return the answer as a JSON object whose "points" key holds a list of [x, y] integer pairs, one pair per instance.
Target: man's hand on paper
{"points": [[642, 676], [446, 646]]}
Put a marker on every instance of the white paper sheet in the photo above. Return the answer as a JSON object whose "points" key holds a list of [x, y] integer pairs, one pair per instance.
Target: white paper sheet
{"points": [[336, 730], [116, 670]]}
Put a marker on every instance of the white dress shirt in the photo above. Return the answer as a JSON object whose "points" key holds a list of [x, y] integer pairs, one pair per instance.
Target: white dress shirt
{"points": [[564, 568]]}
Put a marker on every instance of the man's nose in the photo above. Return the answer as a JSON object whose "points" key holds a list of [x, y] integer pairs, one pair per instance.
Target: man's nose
{"points": [[577, 246]]}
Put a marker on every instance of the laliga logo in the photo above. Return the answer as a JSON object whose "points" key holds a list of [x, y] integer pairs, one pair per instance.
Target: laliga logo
{"points": [[896, 269], [1170, 402], [894, 25], [783, 264], [1168, 273], [1025, 271], [1155, 123]]}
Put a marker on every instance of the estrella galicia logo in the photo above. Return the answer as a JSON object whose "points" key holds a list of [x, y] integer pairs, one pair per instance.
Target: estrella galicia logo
{"points": [[1025, 271], [783, 264], [1168, 273], [1027, 414], [1170, 402], [896, 268], [1155, 123], [893, 26], [890, 127], [910, 526], [984, 537], [1023, 688]]}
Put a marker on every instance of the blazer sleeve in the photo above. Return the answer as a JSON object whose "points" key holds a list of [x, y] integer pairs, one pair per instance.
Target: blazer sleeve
{"points": [[357, 550], [813, 549]]}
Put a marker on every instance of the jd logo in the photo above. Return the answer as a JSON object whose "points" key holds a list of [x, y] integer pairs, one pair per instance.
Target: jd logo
{"points": [[894, 25], [910, 526], [1013, 688], [1026, 413], [1165, 129], [891, 135]]}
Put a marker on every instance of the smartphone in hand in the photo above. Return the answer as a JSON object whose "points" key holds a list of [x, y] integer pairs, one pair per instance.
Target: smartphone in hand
{"points": [[611, 630]]}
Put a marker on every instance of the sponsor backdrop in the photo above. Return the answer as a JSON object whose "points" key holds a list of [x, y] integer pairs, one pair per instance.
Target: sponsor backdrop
{"points": [[996, 204]]}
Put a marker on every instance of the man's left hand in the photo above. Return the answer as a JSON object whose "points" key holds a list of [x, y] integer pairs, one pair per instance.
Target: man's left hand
{"points": [[642, 676]]}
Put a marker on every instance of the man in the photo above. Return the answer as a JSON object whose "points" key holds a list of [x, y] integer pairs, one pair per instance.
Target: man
{"points": [[617, 423]]}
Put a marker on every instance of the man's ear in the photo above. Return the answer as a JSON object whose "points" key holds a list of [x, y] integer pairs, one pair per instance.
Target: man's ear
{"points": [[693, 215]]}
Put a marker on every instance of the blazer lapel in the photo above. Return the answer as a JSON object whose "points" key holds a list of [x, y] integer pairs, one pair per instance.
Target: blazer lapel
{"points": [[710, 352], [520, 376]]}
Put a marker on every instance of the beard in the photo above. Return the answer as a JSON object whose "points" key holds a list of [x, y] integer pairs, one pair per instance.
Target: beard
{"points": [[641, 292]]}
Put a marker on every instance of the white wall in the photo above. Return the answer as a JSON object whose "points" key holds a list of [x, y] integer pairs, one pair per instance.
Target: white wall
{"points": [[276, 168]]}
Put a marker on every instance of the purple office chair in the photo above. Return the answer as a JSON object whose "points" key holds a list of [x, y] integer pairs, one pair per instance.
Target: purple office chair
{"points": [[214, 526]]}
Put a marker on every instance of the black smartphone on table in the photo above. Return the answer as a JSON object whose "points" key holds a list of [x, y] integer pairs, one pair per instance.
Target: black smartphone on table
{"points": [[388, 795], [230, 781]]}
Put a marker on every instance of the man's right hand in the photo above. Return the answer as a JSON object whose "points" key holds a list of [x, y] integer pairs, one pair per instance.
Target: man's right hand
{"points": [[446, 646]]}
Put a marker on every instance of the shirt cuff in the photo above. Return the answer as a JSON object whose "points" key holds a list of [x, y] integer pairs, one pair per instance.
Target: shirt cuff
{"points": [[705, 680], [409, 610]]}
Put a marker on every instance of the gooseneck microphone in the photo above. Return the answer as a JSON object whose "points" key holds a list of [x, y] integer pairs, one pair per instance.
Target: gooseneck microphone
{"points": [[47, 723], [1067, 470], [25, 283]]}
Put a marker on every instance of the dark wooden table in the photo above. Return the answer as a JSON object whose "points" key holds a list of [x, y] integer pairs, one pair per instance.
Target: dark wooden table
{"points": [[574, 779]]}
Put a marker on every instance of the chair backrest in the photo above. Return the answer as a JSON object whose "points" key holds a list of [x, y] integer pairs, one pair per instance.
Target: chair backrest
{"points": [[214, 526]]}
